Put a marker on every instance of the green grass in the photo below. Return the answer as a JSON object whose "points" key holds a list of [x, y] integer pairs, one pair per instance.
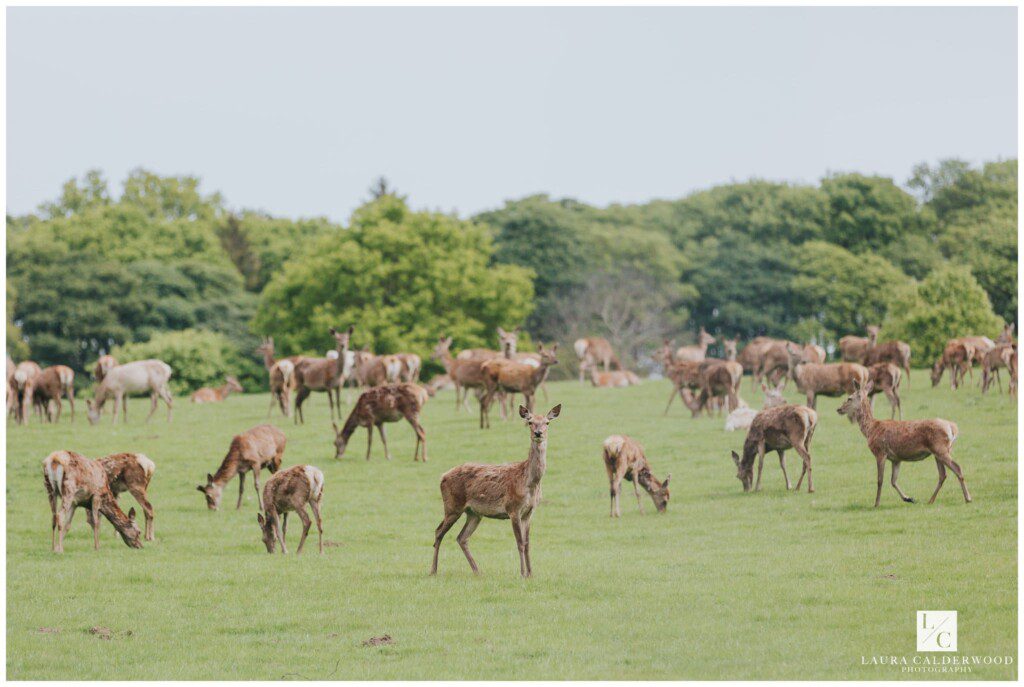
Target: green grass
{"points": [[725, 585]]}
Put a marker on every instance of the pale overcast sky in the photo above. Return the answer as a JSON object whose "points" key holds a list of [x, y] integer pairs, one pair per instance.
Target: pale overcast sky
{"points": [[296, 111]]}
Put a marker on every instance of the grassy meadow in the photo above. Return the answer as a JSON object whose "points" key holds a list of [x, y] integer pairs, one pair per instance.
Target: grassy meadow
{"points": [[769, 585]]}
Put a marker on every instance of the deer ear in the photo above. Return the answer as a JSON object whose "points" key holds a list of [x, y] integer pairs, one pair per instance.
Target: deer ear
{"points": [[351, 328], [665, 483], [517, 329], [736, 458], [868, 387], [523, 412], [259, 519], [555, 412], [209, 478], [554, 347], [200, 487], [501, 332], [131, 514], [333, 330]]}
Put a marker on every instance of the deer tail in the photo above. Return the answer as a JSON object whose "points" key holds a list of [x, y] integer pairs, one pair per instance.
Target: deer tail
{"points": [[53, 470], [580, 346]]}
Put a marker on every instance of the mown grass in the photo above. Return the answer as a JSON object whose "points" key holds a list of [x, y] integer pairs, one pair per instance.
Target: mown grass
{"points": [[725, 585]]}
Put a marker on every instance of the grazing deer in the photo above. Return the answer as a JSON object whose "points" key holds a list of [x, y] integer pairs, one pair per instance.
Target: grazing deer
{"points": [[624, 459], [718, 379], [323, 374], [282, 376], [439, 383], [465, 373], [904, 440], [20, 388], [828, 379], [514, 377], [853, 348], [1006, 336], [104, 365], [380, 404], [775, 363], [742, 417], [131, 472], [46, 389], [613, 379], [594, 350], [251, 451], [981, 345], [885, 378], [957, 357], [290, 490], [998, 357], [510, 491], [78, 482], [696, 352], [895, 352], [777, 429], [136, 377], [210, 395]]}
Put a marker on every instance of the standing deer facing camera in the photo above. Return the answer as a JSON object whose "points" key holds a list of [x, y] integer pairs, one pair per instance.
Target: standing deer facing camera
{"points": [[624, 459], [505, 492]]}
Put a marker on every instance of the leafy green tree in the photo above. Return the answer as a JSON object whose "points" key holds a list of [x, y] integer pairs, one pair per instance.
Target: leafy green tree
{"points": [[402, 278], [16, 346], [867, 213], [259, 245], [76, 197]]}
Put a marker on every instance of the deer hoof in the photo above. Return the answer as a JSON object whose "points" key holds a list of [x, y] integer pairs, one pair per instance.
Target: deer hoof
{"points": [[909, 500]]}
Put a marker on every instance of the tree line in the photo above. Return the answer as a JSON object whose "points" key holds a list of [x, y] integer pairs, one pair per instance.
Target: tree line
{"points": [[167, 270]]}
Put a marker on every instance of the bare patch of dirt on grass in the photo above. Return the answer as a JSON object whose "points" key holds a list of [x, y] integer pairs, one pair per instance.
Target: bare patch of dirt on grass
{"points": [[383, 640]]}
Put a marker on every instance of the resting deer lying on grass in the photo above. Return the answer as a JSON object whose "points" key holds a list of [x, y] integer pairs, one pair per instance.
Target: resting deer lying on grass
{"points": [[510, 491], [904, 440], [78, 482], [885, 378], [131, 472], [829, 379], [742, 417], [777, 429], [210, 395], [624, 459], [613, 379], [290, 490], [380, 404], [251, 451], [957, 357]]}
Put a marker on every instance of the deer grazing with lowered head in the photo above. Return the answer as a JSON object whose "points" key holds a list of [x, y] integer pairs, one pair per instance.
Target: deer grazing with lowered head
{"points": [[777, 429], [323, 374], [624, 459], [104, 365], [696, 352], [439, 383], [885, 378], [904, 440], [141, 376], [827, 379], [510, 491], [77, 482], [378, 405], [509, 376], [853, 348], [251, 451], [465, 373], [47, 388], [215, 395], [743, 417], [774, 366], [594, 350], [131, 472], [718, 380], [956, 357], [281, 374], [289, 491]]}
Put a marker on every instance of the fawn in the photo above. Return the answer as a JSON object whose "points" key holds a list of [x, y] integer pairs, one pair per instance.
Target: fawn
{"points": [[286, 491], [212, 395], [624, 459]]}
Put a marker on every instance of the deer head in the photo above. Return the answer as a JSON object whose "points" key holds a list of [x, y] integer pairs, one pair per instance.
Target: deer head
{"points": [[704, 339], [93, 411], [796, 356], [744, 473], [341, 339], [548, 355], [772, 396], [853, 407], [211, 491], [340, 442], [233, 384], [729, 346], [659, 492], [538, 424], [443, 347], [873, 331], [937, 370], [507, 341], [267, 346], [267, 530], [130, 533]]}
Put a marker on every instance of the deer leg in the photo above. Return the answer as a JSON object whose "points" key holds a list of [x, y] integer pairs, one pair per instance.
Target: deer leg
{"points": [[67, 513], [421, 439], [614, 494], [279, 531], [152, 405], [782, 464], [806, 457], [147, 510], [256, 486], [300, 397], [472, 520], [53, 519], [274, 396], [94, 520], [517, 531], [442, 529], [543, 390], [165, 394], [306, 524], [958, 471], [675, 390], [895, 476], [942, 478], [241, 489], [369, 440], [315, 505], [330, 403], [880, 460], [71, 401], [894, 401], [636, 490], [384, 440], [526, 539], [760, 465]]}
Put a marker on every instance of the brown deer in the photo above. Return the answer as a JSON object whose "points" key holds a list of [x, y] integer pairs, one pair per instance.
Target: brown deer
{"points": [[251, 451], [510, 491], [323, 374], [374, 370], [613, 379], [853, 348], [104, 365], [980, 345], [1006, 336], [594, 350], [78, 482], [718, 379], [514, 377], [777, 429], [214, 395], [957, 357], [730, 347], [828, 379], [698, 351], [136, 377], [813, 353], [684, 375], [774, 366], [624, 459], [438, 383], [46, 389], [20, 389], [904, 440], [895, 352], [885, 378], [743, 417], [289, 491], [282, 376], [380, 404], [465, 373], [1012, 364], [411, 364], [998, 357], [131, 472]]}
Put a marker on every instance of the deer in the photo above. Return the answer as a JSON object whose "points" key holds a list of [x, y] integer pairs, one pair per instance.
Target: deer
{"points": [[993, 360], [507, 343], [46, 389], [374, 370], [594, 350], [289, 491], [1012, 364], [698, 351], [853, 348], [904, 440], [683, 375], [895, 352], [774, 365], [613, 379], [813, 353], [19, 388], [215, 395], [957, 356], [742, 417], [717, 379], [624, 459], [254, 449], [885, 378], [828, 379], [1006, 336], [380, 404], [514, 377], [323, 374], [411, 364], [282, 376], [132, 472], [437, 383], [77, 482], [465, 373], [777, 429], [510, 491], [104, 365], [135, 377]]}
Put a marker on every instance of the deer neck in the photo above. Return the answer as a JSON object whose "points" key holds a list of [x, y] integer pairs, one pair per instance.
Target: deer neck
{"points": [[227, 470], [646, 480], [867, 420], [268, 359], [351, 424], [541, 372], [536, 463], [111, 511]]}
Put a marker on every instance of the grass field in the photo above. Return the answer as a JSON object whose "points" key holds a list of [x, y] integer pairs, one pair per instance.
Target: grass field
{"points": [[724, 585]]}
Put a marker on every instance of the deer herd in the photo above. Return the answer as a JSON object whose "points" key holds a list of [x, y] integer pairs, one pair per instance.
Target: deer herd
{"points": [[391, 391]]}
